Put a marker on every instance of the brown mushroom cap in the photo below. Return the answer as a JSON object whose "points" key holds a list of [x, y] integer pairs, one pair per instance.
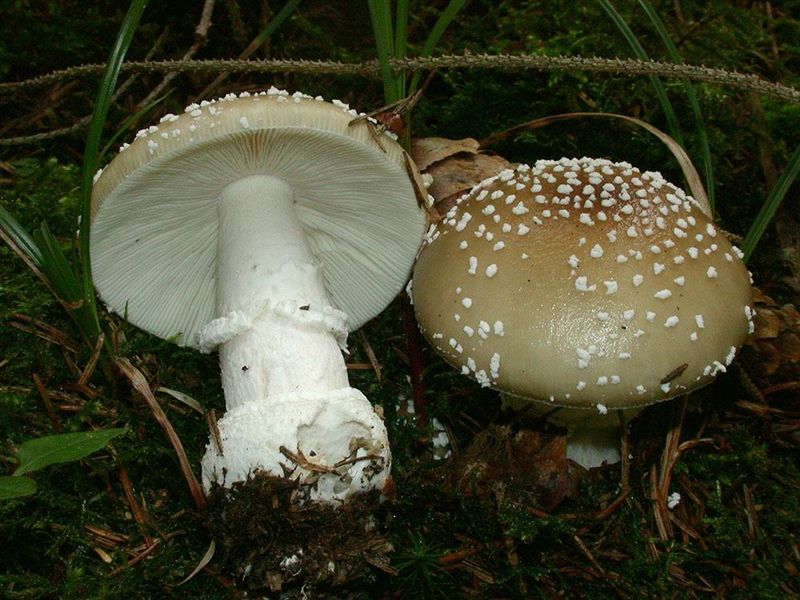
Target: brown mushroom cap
{"points": [[582, 283]]}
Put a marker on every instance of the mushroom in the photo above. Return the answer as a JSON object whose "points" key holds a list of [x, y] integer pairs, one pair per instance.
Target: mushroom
{"points": [[268, 226], [585, 286]]}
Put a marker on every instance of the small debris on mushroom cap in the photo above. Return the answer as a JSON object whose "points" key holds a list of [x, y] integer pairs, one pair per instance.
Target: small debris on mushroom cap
{"points": [[624, 284]]}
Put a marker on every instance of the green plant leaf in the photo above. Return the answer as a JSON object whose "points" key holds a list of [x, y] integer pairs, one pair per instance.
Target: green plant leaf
{"points": [[44, 256], [16, 487], [771, 204], [66, 447], [658, 87], [702, 135]]}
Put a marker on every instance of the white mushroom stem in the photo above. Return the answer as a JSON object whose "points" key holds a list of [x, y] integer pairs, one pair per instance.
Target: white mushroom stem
{"points": [[285, 381], [263, 258], [592, 446], [592, 439]]}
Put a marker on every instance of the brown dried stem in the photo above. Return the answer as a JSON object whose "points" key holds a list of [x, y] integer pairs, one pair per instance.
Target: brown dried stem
{"points": [[372, 68], [140, 384]]}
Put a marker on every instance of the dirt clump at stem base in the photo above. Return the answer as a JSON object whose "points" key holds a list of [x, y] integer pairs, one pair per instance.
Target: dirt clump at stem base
{"points": [[270, 542]]}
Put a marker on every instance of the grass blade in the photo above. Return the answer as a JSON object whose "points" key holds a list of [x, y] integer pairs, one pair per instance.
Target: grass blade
{"points": [[771, 204], [441, 25], [56, 266], [382, 29], [66, 286], [92, 150], [122, 130], [661, 92], [283, 14], [401, 42], [19, 239], [212, 548], [674, 54]]}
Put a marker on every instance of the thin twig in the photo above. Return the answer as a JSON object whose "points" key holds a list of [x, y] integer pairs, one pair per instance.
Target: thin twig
{"points": [[588, 554], [45, 332], [83, 121], [200, 39], [90, 366], [136, 559], [373, 360], [414, 347], [671, 454], [211, 420], [133, 504], [48, 405], [300, 460], [140, 384], [660, 511], [609, 510]]}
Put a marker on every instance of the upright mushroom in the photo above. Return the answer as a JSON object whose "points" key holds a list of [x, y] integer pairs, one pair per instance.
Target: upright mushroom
{"points": [[586, 286], [265, 225]]}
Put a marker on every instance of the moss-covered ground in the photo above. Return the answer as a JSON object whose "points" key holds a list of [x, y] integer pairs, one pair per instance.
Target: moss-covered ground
{"points": [[123, 524]]}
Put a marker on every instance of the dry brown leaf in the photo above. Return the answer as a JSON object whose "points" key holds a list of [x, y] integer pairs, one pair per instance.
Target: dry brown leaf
{"points": [[772, 353], [457, 175], [528, 464], [139, 383], [429, 151]]}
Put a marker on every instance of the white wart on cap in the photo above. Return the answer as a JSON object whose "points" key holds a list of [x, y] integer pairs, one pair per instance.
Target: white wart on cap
{"points": [[265, 225], [582, 283]]}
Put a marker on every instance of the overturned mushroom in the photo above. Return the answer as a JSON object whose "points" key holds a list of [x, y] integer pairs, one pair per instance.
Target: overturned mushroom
{"points": [[267, 226], [584, 285]]}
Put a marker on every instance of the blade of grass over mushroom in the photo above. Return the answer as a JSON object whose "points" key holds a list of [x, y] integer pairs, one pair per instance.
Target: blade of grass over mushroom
{"points": [[127, 124], [658, 87], [691, 94], [380, 14], [91, 155], [771, 204], [283, 14], [689, 170], [445, 18]]}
